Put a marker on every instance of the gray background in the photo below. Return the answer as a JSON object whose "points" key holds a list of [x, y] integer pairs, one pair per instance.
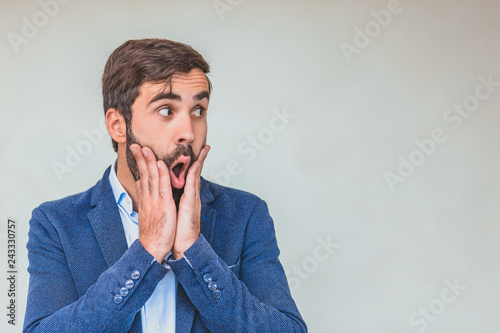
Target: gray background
{"points": [[324, 173]]}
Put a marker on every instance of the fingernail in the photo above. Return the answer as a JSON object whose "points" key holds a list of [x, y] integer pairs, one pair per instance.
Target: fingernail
{"points": [[133, 149], [145, 152]]}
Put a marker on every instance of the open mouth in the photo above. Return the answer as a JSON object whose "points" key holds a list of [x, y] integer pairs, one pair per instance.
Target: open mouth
{"points": [[179, 171]]}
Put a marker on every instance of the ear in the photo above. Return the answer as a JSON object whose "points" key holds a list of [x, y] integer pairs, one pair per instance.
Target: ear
{"points": [[115, 124]]}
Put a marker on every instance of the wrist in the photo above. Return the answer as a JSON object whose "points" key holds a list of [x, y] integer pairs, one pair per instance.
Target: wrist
{"points": [[182, 246], [177, 255], [157, 252]]}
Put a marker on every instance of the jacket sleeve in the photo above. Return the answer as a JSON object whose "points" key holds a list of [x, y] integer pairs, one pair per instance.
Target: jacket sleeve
{"points": [[109, 305], [259, 300]]}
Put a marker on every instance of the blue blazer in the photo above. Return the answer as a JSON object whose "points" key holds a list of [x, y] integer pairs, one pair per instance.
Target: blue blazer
{"points": [[79, 261]]}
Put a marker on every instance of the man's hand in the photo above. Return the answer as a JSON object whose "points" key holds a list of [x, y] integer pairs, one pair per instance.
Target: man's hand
{"points": [[188, 217], [157, 211]]}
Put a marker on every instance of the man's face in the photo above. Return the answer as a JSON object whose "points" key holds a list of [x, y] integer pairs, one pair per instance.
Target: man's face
{"points": [[172, 122]]}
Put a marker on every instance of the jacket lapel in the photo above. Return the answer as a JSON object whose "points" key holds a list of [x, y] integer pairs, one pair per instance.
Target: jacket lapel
{"points": [[108, 229], [106, 221], [208, 213]]}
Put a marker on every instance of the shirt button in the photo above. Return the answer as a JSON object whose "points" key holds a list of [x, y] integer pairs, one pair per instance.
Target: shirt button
{"points": [[128, 200], [118, 299], [135, 275], [212, 285], [216, 293], [207, 278], [129, 284], [156, 327], [123, 291]]}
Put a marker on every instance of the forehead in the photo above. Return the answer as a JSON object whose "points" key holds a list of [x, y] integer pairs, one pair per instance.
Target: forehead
{"points": [[194, 81]]}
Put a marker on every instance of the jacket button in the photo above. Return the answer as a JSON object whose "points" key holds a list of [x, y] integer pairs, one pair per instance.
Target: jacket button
{"points": [[207, 278], [123, 291], [117, 299], [129, 284], [216, 293], [165, 264], [135, 274], [212, 285]]}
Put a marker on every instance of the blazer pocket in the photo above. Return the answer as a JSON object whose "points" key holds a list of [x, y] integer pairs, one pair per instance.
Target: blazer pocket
{"points": [[236, 268]]}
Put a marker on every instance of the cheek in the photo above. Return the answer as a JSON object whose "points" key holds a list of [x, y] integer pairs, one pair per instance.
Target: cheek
{"points": [[201, 137], [201, 130], [162, 142], [154, 137]]}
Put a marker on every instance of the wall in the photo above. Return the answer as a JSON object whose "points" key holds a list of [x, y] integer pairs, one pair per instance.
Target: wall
{"points": [[369, 127]]}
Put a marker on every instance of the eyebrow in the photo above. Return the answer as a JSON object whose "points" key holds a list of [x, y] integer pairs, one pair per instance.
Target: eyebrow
{"points": [[175, 97], [202, 95]]}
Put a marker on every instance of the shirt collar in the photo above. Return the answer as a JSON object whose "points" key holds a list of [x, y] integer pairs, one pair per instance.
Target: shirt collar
{"points": [[121, 196]]}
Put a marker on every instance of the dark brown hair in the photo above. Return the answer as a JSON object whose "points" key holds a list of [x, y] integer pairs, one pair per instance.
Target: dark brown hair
{"points": [[144, 60]]}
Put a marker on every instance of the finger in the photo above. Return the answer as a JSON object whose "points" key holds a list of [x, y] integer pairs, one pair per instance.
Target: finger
{"points": [[189, 188], [201, 158], [193, 176], [197, 166], [152, 172], [141, 165], [165, 188]]}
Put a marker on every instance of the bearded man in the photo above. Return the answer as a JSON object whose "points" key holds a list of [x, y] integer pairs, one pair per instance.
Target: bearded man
{"points": [[154, 247]]}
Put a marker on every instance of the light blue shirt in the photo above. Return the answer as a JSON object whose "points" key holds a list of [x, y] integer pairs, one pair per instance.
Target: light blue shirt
{"points": [[158, 314]]}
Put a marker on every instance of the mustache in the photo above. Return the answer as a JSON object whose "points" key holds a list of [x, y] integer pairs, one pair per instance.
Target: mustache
{"points": [[184, 150], [169, 159]]}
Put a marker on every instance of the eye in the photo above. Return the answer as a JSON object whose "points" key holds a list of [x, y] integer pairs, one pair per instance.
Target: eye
{"points": [[164, 111], [199, 112]]}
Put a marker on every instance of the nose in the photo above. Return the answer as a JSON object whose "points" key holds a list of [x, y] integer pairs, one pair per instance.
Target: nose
{"points": [[184, 130]]}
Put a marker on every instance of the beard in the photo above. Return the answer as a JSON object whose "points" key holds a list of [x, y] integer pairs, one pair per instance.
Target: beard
{"points": [[169, 159]]}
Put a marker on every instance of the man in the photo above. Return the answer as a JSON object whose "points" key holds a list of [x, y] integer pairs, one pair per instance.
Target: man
{"points": [[153, 247]]}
